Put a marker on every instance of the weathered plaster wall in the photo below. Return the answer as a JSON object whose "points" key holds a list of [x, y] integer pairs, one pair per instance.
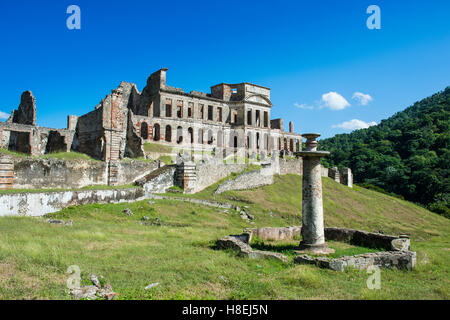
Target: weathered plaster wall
{"points": [[38, 204], [52, 173], [248, 180], [210, 172], [159, 182], [32, 173], [291, 166]]}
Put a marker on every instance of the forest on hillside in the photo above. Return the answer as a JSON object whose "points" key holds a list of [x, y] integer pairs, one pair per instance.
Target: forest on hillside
{"points": [[407, 154]]}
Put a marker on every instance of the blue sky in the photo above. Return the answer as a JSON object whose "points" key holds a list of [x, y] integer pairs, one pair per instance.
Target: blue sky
{"points": [[312, 54]]}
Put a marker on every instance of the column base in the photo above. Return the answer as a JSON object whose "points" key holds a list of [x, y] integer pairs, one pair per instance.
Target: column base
{"points": [[314, 248]]}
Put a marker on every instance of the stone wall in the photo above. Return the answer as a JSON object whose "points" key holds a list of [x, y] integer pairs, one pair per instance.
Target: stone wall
{"points": [[405, 260], [368, 239], [343, 176], [159, 181], [132, 170], [32, 173], [210, 172], [34, 140], [38, 204], [274, 233], [291, 166], [248, 180]]}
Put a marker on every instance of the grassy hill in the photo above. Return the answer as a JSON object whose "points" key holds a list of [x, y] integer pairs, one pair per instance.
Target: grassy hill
{"points": [[180, 254], [407, 154]]}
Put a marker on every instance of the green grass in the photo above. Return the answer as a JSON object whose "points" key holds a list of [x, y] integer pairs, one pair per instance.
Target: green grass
{"points": [[180, 254], [166, 159], [70, 156], [156, 147], [13, 153]]}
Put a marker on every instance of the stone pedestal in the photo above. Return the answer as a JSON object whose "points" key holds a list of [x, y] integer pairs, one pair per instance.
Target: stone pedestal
{"points": [[313, 234]]}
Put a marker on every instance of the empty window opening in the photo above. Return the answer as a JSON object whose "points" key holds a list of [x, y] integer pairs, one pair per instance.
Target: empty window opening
{"points": [[168, 134], [156, 132], [179, 135], [249, 117], [257, 118], [191, 135], [144, 130], [201, 113], [210, 113], [266, 119], [168, 110], [210, 137], [257, 140], [219, 114], [190, 110], [180, 111]]}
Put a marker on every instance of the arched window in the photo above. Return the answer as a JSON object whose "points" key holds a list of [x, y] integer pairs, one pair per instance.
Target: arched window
{"points": [[191, 135], [168, 134], [156, 135], [179, 135], [144, 130], [210, 137]]}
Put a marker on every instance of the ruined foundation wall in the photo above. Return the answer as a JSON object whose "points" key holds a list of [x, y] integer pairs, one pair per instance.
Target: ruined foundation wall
{"points": [[90, 134], [247, 180], [291, 166], [53, 173], [38, 204], [34, 140], [210, 172], [131, 170]]}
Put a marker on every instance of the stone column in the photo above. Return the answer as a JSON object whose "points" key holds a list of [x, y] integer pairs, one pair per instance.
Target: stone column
{"points": [[313, 234]]}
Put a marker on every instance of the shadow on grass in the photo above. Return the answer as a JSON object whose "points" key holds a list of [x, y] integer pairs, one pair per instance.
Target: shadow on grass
{"points": [[282, 248]]}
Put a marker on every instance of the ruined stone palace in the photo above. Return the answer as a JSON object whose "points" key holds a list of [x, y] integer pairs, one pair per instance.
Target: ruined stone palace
{"points": [[231, 116]]}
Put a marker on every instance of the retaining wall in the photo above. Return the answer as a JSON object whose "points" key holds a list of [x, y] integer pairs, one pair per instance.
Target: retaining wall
{"points": [[32, 173], [38, 204]]}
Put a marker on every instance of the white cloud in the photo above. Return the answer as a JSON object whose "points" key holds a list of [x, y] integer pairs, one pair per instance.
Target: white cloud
{"points": [[334, 101], [303, 106], [4, 115], [363, 99], [354, 124]]}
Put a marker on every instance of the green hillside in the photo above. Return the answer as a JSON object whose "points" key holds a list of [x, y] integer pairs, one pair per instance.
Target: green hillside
{"points": [[181, 257], [407, 154]]}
